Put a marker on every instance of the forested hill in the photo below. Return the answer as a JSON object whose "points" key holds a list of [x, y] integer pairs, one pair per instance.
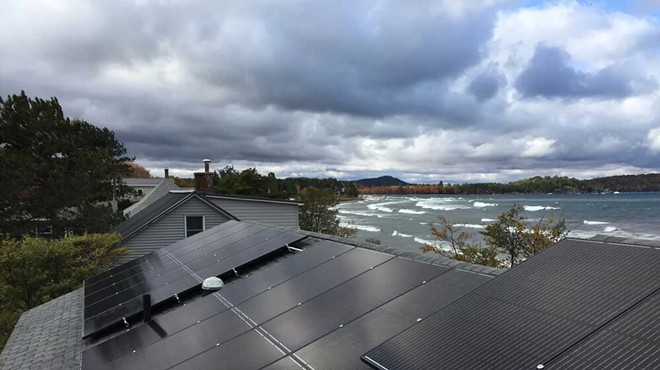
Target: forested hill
{"points": [[538, 184], [381, 181]]}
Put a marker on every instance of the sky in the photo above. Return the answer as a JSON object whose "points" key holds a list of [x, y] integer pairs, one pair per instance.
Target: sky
{"points": [[438, 90]]}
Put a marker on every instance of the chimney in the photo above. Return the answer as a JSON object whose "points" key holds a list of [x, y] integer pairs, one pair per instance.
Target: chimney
{"points": [[167, 172], [204, 180]]}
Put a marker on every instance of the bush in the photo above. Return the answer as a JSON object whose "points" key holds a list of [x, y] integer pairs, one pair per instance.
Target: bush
{"points": [[35, 270]]}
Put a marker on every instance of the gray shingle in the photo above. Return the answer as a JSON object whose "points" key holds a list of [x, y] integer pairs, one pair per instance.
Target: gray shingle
{"points": [[47, 337]]}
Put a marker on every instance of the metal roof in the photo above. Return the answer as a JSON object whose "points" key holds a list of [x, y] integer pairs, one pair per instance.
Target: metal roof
{"points": [[328, 303], [140, 182]]}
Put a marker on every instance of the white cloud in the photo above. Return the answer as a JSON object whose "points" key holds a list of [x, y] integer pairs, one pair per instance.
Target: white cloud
{"points": [[653, 139]]}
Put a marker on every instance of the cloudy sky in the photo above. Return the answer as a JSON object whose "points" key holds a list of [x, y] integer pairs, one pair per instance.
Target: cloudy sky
{"points": [[449, 90]]}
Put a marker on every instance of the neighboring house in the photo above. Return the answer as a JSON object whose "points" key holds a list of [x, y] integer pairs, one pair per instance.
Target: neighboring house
{"points": [[179, 214], [147, 193], [299, 300]]}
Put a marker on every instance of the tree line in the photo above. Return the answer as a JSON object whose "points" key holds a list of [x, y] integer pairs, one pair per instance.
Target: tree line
{"points": [[537, 184]]}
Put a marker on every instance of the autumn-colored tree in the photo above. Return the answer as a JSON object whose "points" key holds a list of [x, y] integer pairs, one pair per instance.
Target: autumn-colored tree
{"points": [[519, 238], [462, 248], [512, 235], [136, 170]]}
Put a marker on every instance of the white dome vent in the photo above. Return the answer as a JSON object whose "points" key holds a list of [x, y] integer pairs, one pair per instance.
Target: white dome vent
{"points": [[212, 283]]}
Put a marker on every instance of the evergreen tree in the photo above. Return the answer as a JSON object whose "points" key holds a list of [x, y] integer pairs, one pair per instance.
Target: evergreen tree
{"points": [[60, 173]]}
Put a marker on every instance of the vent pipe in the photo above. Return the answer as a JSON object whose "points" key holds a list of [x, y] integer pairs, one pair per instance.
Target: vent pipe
{"points": [[167, 172], [146, 307], [207, 165]]}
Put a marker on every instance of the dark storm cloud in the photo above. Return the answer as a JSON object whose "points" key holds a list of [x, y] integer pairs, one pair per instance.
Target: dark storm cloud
{"points": [[486, 85], [549, 74], [343, 57]]}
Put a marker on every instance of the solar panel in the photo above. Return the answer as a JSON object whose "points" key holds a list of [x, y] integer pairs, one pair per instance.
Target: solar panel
{"points": [[346, 302], [529, 314], [235, 247], [313, 282], [342, 349], [248, 351], [635, 333], [171, 322]]}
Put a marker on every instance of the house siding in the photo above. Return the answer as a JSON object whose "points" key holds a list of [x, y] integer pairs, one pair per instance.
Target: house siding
{"points": [[170, 228], [276, 214]]}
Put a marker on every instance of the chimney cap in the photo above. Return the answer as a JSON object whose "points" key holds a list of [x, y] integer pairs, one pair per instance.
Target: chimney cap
{"points": [[206, 160]]}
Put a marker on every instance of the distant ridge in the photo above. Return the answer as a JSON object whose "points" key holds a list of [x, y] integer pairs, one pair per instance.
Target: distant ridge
{"points": [[381, 181]]}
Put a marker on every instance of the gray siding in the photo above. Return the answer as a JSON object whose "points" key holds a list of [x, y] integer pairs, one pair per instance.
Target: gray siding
{"points": [[170, 228], [276, 214]]}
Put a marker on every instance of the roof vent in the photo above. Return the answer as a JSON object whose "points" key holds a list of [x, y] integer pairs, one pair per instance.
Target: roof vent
{"points": [[212, 283]]}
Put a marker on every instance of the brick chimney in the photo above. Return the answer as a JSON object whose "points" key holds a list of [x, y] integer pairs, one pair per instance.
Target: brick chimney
{"points": [[167, 172], [204, 180]]}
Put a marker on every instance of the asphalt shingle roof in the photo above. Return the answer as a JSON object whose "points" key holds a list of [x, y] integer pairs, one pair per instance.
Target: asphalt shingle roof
{"points": [[47, 337]]}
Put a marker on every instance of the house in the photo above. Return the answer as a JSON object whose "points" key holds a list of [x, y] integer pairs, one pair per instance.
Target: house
{"points": [[299, 300], [147, 192], [182, 213], [165, 215]]}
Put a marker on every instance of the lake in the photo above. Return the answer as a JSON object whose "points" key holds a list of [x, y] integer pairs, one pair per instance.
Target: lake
{"points": [[402, 221]]}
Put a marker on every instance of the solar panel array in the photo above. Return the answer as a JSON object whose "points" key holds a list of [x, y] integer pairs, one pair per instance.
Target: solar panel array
{"points": [[301, 311], [561, 309], [116, 295]]}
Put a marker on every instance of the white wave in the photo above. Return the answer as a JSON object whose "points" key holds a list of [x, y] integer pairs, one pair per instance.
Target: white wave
{"points": [[471, 226], [434, 243], [488, 220], [371, 229], [587, 222], [440, 204], [411, 212], [396, 233], [538, 208], [378, 207], [358, 213], [609, 229], [484, 205]]}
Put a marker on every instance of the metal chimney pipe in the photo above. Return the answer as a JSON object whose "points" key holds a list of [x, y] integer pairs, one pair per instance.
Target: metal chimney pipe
{"points": [[167, 172], [146, 307], [207, 165]]}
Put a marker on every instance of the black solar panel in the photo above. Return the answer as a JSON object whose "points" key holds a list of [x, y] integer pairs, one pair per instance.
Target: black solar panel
{"points": [[635, 335], [341, 349], [325, 313], [530, 314], [310, 284], [169, 323], [229, 249]]}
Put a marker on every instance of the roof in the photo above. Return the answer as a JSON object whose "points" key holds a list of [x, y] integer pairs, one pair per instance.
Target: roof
{"points": [[47, 336], [159, 208], [136, 182], [335, 303], [164, 187], [251, 198], [579, 304]]}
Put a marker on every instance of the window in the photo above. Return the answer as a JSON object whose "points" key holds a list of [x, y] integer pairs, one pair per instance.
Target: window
{"points": [[194, 225]]}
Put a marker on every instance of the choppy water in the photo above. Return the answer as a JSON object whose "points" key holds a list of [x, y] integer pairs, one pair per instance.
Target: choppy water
{"points": [[401, 221]]}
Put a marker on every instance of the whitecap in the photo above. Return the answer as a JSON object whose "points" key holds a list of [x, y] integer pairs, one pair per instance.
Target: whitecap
{"points": [[357, 213], [380, 207], [396, 233], [411, 212], [440, 204], [371, 229], [471, 226], [484, 205], [434, 243], [538, 208], [609, 229], [488, 220], [587, 222]]}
